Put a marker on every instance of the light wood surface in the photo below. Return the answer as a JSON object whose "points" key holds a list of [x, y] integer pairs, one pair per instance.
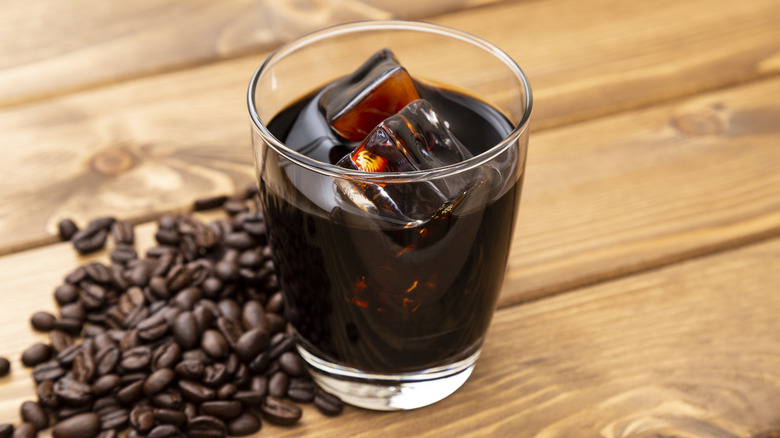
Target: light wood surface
{"points": [[641, 296]]}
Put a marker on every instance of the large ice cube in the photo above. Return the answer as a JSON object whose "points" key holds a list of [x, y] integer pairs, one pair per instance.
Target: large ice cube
{"points": [[414, 139], [356, 104]]}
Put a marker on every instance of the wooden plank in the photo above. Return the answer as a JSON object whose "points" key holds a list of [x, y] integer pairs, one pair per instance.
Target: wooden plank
{"points": [[647, 188], [151, 145], [51, 48], [689, 351]]}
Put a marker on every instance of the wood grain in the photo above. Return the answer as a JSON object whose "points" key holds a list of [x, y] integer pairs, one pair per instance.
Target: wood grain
{"points": [[687, 351], [52, 48], [150, 145]]}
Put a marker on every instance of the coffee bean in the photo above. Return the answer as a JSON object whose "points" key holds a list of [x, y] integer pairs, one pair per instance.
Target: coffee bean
{"points": [[105, 384], [214, 344], [328, 403], [279, 411], [245, 424], [170, 416], [291, 364], [136, 358], [36, 354], [114, 418], [32, 412], [131, 393], [230, 330], [190, 369], [164, 431], [106, 359], [222, 409], [275, 304], [226, 391], [67, 228], [209, 203], [123, 253], [98, 272], [89, 240], [253, 316], [46, 395], [166, 356], [59, 340], [66, 294], [195, 392], [185, 330], [239, 240], [301, 390], [206, 426], [122, 232], [70, 326], [72, 392], [5, 366], [248, 398], [142, 418], [25, 430], [278, 384], [215, 375], [42, 321], [6, 430], [48, 371], [83, 366], [168, 399], [79, 426], [158, 380]]}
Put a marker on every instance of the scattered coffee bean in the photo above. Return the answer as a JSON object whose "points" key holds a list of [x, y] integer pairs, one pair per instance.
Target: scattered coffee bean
{"points": [[32, 412], [122, 232], [89, 240], [245, 424], [67, 228], [25, 430], [328, 403], [36, 354], [206, 426], [42, 321], [279, 411], [5, 366], [85, 425]]}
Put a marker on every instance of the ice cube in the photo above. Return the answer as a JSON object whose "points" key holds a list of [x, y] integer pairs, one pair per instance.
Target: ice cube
{"points": [[414, 139], [356, 104]]}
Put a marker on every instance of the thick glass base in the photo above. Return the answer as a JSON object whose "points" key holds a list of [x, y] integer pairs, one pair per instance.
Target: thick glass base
{"points": [[389, 392]]}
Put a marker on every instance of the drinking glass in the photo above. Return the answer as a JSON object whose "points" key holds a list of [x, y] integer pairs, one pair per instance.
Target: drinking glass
{"points": [[390, 311]]}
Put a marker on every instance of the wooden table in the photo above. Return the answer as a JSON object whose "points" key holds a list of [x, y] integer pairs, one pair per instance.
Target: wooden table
{"points": [[643, 290]]}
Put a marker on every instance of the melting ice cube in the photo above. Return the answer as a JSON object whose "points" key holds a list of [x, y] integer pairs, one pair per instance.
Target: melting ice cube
{"points": [[356, 104], [414, 139]]}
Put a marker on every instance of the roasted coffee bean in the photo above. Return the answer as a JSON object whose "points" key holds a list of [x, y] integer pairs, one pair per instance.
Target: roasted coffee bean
{"points": [[245, 424], [68, 355], [187, 298], [78, 426], [166, 356], [139, 275], [59, 340], [123, 253], [230, 330], [179, 277], [42, 321], [70, 326], [131, 393], [209, 203], [185, 330], [46, 395], [114, 419], [278, 384], [67, 228], [129, 340], [36, 354], [122, 232], [222, 409], [328, 403], [204, 317], [6, 430], [135, 316], [253, 316], [32, 412], [66, 294], [279, 411], [275, 303], [195, 392], [89, 240], [158, 380], [70, 411], [92, 296], [136, 358], [291, 364], [168, 399], [83, 366], [105, 384], [215, 375], [72, 392], [214, 344], [249, 398], [164, 431], [129, 378], [226, 391], [170, 416], [241, 376], [48, 371], [206, 426], [234, 206], [106, 359], [275, 322], [98, 272], [230, 309], [5, 366], [240, 240], [104, 405], [142, 418], [260, 363], [190, 369], [301, 390], [25, 430], [154, 332]]}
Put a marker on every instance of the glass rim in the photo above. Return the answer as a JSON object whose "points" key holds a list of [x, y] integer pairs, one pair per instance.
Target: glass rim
{"points": [[334, 171]]}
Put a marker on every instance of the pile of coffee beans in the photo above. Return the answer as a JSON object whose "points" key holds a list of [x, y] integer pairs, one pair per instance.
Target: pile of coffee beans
{"points": [[189, 340]]}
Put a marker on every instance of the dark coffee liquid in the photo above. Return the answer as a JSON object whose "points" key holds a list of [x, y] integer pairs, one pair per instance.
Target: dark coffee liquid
{"points": [[381, 296]]}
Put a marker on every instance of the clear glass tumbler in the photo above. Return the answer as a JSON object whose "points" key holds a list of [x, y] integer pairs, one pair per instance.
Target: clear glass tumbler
{"points": [[390, 306]]}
